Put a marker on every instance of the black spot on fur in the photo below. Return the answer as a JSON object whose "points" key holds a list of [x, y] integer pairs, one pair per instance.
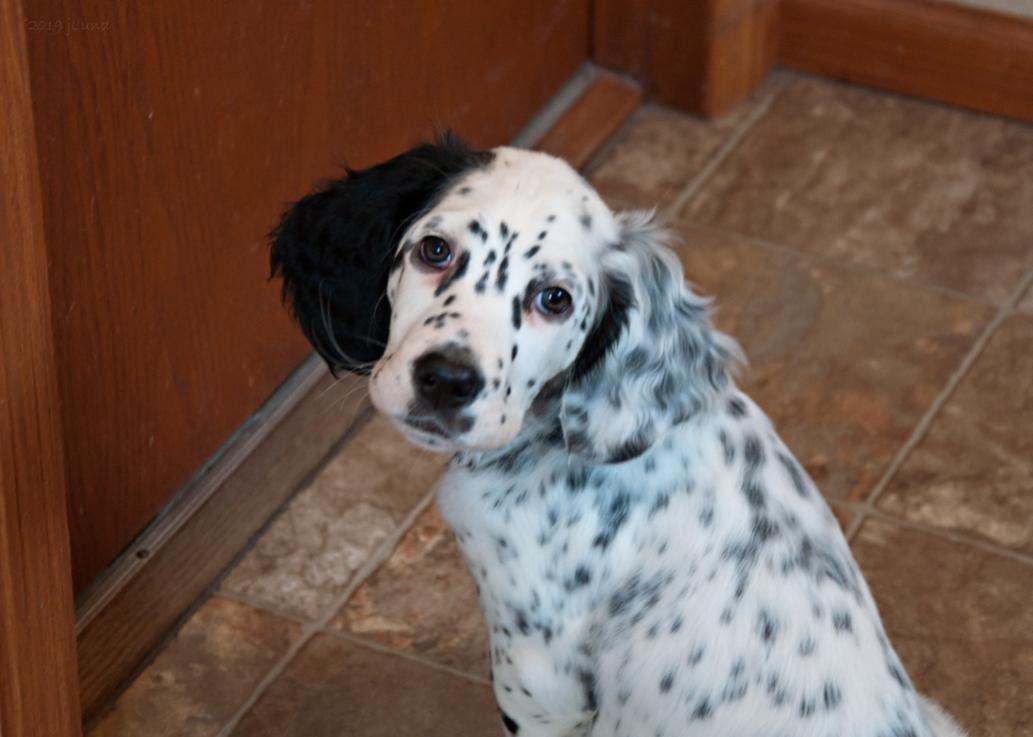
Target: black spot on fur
{"points": [[530, 252], [503, 275], [456, 274], [842, 622], [517, 311], [795, 474], [477, 230], [511, 726], [667, 682], [736, 407]]}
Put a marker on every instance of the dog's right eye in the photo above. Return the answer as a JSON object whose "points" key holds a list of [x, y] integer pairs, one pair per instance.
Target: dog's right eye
{"points": [[435, 252]]}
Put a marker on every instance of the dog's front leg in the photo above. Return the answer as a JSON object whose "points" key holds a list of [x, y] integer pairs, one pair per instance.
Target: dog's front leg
{"points": [[542, 690]]}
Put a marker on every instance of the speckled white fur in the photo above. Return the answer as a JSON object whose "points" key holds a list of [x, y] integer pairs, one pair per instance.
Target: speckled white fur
{"points": [[651, 560]]}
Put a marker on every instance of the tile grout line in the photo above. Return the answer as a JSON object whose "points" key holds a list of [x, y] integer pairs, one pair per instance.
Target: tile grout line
{"points": [[722, 154], [958, 538], [350, 637], [1003, 312], [261, 606], [311, 629], [384, 649]]}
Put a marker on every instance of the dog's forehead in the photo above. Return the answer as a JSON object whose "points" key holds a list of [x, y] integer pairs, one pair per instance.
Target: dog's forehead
{"points": [[532, 191]]}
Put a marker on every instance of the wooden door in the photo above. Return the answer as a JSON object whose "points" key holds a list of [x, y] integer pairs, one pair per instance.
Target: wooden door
{"points": [[170, 135]]}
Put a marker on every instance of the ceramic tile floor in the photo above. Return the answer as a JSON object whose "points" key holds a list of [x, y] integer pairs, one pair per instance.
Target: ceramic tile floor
{"points": [[874, 255]]}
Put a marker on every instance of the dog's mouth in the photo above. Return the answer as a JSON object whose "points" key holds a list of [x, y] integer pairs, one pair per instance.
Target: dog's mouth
{"points": [[427, 425]]}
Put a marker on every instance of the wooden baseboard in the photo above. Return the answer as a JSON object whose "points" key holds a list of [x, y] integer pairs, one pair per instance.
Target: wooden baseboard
{"points": [[593, 118], [962, 56], [142, 597]]}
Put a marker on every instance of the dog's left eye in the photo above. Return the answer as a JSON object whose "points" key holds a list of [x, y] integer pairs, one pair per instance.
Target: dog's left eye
{"points": [[435, 252], [552, 301]]}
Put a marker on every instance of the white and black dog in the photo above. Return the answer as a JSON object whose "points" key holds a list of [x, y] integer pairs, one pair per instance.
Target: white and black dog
{"points": [[651, 559]]}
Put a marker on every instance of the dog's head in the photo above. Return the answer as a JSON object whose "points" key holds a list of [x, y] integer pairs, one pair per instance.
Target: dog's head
{"points": [[476, 286]]}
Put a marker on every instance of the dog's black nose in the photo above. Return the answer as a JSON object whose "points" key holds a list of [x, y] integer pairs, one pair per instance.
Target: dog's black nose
{"points": [[444, 382]]}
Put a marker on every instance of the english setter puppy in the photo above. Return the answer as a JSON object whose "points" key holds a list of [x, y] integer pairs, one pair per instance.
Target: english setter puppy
{"points": [[651, 559]]}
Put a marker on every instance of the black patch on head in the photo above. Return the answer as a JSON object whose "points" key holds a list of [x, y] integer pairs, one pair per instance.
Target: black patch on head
{"points": [[334, 248]]}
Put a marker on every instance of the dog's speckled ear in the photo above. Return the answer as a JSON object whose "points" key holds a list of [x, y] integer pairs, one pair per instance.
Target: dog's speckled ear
{"points": [[653, 359], [334, 247]]}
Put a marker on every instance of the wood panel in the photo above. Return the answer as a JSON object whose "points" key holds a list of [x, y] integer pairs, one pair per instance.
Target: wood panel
{"points": [[38, 686], [944, 52], [701, 56], [170, 136]]}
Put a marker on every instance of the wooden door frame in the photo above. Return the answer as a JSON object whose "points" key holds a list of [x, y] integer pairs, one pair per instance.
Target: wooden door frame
{"points": [[39, 694], [704, 56]]}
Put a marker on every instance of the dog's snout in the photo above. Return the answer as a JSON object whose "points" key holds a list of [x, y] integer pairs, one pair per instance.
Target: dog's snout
{"points": [[446, 383]]}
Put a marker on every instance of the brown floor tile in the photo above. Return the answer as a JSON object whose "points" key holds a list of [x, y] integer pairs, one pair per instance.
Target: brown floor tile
{"points": [[974, 469], [905, 187], [660, 151], [423, 601], [335, 688], [961, 621], [310, 552], [845, 362], [199, 680]]}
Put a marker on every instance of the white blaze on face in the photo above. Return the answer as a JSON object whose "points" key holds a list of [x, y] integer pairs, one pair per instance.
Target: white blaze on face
{"points": [[524, 224]]}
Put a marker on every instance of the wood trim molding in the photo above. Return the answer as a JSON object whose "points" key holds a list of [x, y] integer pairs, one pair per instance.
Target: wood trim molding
{"points": [[38, 685], [155, 584], [596, 116], [949, 53], [159, 578], [702, 56]]}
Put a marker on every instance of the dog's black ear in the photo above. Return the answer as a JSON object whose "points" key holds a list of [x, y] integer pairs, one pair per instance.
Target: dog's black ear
{"points": [[334, 248], [652, 361]]}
